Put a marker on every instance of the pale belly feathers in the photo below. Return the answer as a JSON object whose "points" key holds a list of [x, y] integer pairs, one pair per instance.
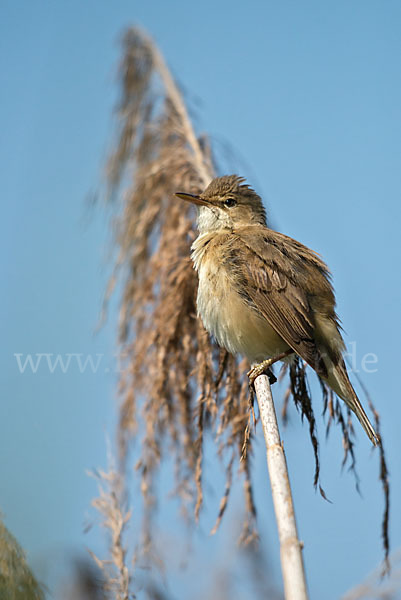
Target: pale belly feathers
{"points": [[230, 320]]}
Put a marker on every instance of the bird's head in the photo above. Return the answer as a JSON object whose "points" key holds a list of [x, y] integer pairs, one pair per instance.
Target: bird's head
{"points": [[227, 203]]}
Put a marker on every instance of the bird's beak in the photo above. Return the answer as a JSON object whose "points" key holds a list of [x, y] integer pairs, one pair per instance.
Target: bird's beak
{"points": [[192, 198]]}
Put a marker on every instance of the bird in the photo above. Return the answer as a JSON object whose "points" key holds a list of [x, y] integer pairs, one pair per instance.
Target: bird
{"points": [[264, 295]]}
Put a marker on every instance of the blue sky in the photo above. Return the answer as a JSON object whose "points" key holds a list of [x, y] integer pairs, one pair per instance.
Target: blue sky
{"points": [[308, 96]]}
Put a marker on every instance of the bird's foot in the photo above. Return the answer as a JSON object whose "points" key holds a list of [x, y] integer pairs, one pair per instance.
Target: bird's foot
{"points": [[264, 368], [260, 369]]}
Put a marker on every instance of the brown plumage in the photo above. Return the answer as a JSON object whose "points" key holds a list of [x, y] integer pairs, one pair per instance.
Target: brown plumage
{"points": [[262, 293]]}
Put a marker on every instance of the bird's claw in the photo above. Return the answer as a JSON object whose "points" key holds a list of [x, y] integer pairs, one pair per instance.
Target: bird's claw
{"points": [[260, 369]]}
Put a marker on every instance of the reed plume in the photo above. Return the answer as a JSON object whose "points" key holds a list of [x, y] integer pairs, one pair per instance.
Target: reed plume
{"points": [[174, 380]]}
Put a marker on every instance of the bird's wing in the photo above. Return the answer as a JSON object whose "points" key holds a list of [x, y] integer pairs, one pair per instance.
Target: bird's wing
{"points": [[281, 278], [272, 274]]}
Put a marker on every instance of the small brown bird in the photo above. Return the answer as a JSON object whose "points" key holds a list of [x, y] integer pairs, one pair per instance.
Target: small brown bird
{"points": [[264, 295]]}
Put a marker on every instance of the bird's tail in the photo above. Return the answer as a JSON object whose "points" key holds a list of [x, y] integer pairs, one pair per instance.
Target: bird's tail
{"points": [[339, 381]]}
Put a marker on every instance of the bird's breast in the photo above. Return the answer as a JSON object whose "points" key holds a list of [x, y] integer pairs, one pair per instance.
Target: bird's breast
{"points": [[228, 317]]}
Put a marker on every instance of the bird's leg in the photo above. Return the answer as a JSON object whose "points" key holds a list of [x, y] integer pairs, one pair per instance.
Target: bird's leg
{"points": [[264, 367]]}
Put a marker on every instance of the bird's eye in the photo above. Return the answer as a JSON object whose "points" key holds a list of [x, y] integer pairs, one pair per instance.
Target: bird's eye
{"points": [[230, 202]]}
